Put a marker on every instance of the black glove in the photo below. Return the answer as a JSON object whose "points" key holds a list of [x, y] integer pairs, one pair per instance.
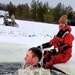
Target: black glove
{"points": [[47, 57], [46, 60], [39, 47], [53, 52]]}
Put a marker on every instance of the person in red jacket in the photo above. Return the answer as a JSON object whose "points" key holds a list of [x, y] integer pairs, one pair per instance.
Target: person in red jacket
{"points": [[62, 43]]}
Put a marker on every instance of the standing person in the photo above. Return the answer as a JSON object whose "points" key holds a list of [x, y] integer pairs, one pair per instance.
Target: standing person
{"points": [[62, 43], [31, 65], [13, 20]]}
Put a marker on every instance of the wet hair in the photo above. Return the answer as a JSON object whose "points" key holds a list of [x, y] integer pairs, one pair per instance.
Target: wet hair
{"points": [[36, 52]]}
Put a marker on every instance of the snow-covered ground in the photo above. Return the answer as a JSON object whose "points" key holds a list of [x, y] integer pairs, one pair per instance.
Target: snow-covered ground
{"points": [[15, 41]]}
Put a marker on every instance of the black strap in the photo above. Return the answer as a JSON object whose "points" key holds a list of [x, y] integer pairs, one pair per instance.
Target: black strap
{"points": [[61, 33], [56, 69], [66, 47]]}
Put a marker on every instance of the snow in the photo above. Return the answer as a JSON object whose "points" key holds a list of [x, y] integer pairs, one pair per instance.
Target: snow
{"points": [[15, 41]]}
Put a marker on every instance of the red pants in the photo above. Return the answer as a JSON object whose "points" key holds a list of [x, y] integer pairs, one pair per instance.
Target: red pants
{"points": [[60, 58]]}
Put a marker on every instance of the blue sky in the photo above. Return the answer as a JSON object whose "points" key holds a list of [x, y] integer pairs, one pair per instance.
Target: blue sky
{"points": [[52, 3]]}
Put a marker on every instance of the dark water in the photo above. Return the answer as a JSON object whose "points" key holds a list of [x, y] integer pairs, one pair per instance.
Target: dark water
{"points": [[9, 68]]}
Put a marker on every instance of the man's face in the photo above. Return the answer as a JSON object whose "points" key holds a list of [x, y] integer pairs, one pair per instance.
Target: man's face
{"points": [[61, 26], [29, 57]]}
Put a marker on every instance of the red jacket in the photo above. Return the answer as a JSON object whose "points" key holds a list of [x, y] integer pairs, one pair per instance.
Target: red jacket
{"points": [[65, 48], [66, 39]]}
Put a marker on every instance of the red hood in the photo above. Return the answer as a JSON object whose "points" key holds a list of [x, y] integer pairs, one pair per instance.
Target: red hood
{"points": [[68, 27]]}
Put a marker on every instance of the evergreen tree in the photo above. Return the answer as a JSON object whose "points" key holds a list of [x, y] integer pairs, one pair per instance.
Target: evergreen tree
{"points": [[33, 11], [11, 8], [59, 10], [48, 17]]}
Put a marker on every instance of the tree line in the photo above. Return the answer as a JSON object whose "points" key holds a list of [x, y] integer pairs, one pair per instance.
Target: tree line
{"points": [[38, 11]]}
